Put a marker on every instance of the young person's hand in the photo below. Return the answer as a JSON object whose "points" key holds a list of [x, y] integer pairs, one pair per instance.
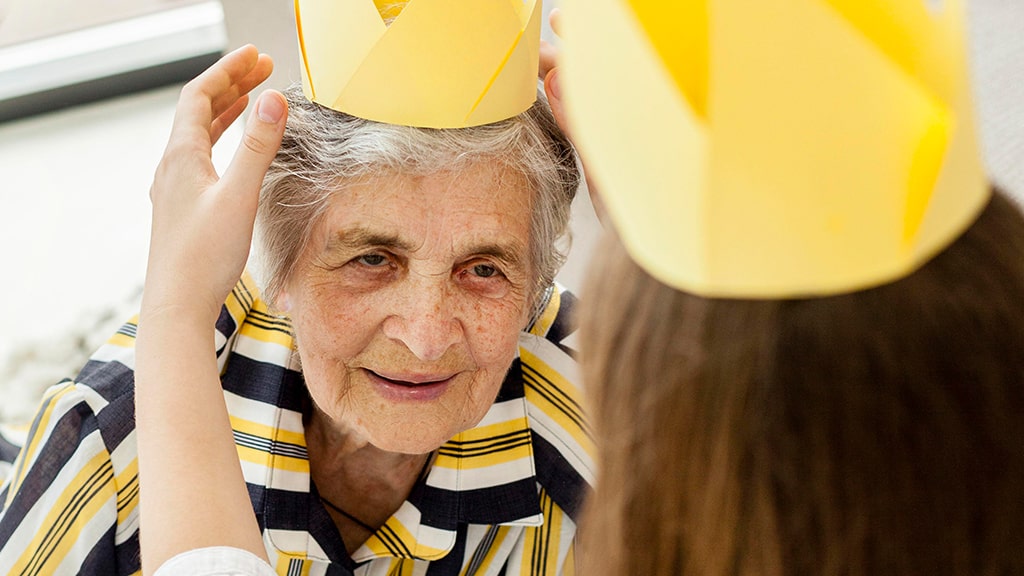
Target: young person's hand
{"points": [[202, 229], [548, 72], [202, 223]]}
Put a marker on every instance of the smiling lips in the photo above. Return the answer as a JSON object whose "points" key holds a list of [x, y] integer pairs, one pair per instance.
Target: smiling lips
{"points": [[410, 387], [422, 380]]}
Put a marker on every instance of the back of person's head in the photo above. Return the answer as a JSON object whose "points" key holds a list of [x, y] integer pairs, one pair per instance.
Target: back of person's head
{"points": [[878, 432], [804, 351]]}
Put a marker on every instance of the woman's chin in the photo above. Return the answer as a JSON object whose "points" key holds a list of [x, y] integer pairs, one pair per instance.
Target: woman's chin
{"points": [[406, 445], [419, 436]]}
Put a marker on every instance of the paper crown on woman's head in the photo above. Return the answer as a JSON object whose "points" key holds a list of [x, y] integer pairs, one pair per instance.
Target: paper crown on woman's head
{"points": [[440, 63], [776, 149]]}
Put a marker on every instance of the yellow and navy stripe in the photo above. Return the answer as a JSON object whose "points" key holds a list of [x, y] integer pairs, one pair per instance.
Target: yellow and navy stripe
{"points": [[500, 499]]}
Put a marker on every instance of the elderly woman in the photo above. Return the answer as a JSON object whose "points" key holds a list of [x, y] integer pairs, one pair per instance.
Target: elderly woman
{"points": [[399, 395]]}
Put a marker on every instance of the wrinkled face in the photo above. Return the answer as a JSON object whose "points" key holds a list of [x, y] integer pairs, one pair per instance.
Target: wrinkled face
{"points": [[408, 301]]}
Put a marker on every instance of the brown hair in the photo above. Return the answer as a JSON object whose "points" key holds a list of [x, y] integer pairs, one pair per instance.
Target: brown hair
{"points": [[873, 433]]}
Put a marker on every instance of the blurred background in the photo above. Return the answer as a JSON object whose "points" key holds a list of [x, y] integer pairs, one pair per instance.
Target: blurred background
{"points": [[87, 94]]}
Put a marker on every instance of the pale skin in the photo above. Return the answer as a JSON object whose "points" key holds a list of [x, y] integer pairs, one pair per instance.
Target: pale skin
{"points": [[548, 71], [395, 388], [202, 226]]}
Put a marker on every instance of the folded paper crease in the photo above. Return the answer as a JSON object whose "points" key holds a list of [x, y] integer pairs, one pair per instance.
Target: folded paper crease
{"points": [[776, 149], [440, 63]]}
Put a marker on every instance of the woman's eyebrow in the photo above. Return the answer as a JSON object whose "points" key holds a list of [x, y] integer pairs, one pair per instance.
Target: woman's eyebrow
{"points": [[359, 238]]}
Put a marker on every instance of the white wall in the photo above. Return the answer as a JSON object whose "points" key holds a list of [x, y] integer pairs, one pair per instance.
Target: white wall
{"points": [[74, 230]]}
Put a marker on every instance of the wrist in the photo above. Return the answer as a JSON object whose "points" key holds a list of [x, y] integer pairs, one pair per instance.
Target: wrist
{"points": [[167, 311]]}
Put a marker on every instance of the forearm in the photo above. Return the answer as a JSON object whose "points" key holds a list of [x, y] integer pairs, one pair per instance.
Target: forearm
{"points": [[192, 490]]}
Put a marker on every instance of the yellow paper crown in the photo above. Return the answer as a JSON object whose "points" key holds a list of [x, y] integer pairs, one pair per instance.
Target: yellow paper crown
{"points": [[440, 63], [776, 149]]}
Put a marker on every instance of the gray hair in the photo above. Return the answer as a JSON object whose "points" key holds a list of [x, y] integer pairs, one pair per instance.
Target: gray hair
{"points": [[323, 150]]}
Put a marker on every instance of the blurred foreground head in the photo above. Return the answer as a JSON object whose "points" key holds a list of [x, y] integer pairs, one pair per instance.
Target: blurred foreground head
{"points": [[805, 345]]}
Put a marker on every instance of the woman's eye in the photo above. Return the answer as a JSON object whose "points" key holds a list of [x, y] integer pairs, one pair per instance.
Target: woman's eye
{"points": [[484, 270], [373, 260], [485, 279]]}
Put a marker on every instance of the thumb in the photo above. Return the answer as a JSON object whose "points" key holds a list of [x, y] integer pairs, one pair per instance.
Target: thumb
{"points": [[553, 89], [262, 138], [554, 92]]}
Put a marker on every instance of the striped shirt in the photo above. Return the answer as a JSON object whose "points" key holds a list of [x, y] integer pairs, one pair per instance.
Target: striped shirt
{"points": [[500, 499]]}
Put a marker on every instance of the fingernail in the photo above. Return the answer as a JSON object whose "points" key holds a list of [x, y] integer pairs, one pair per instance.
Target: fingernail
{"points": [[269, 108], [553, 85]]}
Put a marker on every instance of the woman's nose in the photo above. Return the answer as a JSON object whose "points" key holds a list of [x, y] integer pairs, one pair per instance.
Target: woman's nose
{"points": [[423, 320]]}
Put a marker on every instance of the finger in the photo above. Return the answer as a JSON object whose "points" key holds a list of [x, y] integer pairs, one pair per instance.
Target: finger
{"points": [[555, 19], [227, 118], [548, 58], [195, 110], [260, 71], [259, 144], [553, 89]]}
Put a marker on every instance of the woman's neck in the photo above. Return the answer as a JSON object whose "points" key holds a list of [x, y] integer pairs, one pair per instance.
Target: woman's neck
{"points": [[367, 483]]}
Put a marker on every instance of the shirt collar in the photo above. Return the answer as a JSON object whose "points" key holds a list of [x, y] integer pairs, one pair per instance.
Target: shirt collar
{"points": [[485, 475]]}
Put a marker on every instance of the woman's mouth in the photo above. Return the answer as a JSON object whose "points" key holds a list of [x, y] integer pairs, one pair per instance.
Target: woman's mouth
{"points": [[408, 387]]}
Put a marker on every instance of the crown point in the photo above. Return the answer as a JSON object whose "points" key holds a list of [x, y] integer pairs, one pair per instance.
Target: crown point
{"points": [[427, 63]]}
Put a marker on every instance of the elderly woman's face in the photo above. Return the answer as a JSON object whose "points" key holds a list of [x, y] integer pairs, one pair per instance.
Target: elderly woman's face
{"points": [[408, 302]]}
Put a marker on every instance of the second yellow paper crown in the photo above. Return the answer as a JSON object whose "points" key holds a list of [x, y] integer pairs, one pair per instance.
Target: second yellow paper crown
{"points": [[774, 149], [439, 64]]}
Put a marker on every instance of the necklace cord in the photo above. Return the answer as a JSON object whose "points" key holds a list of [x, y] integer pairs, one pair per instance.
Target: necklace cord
{"points": [[338, 509], [364, 525]]}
